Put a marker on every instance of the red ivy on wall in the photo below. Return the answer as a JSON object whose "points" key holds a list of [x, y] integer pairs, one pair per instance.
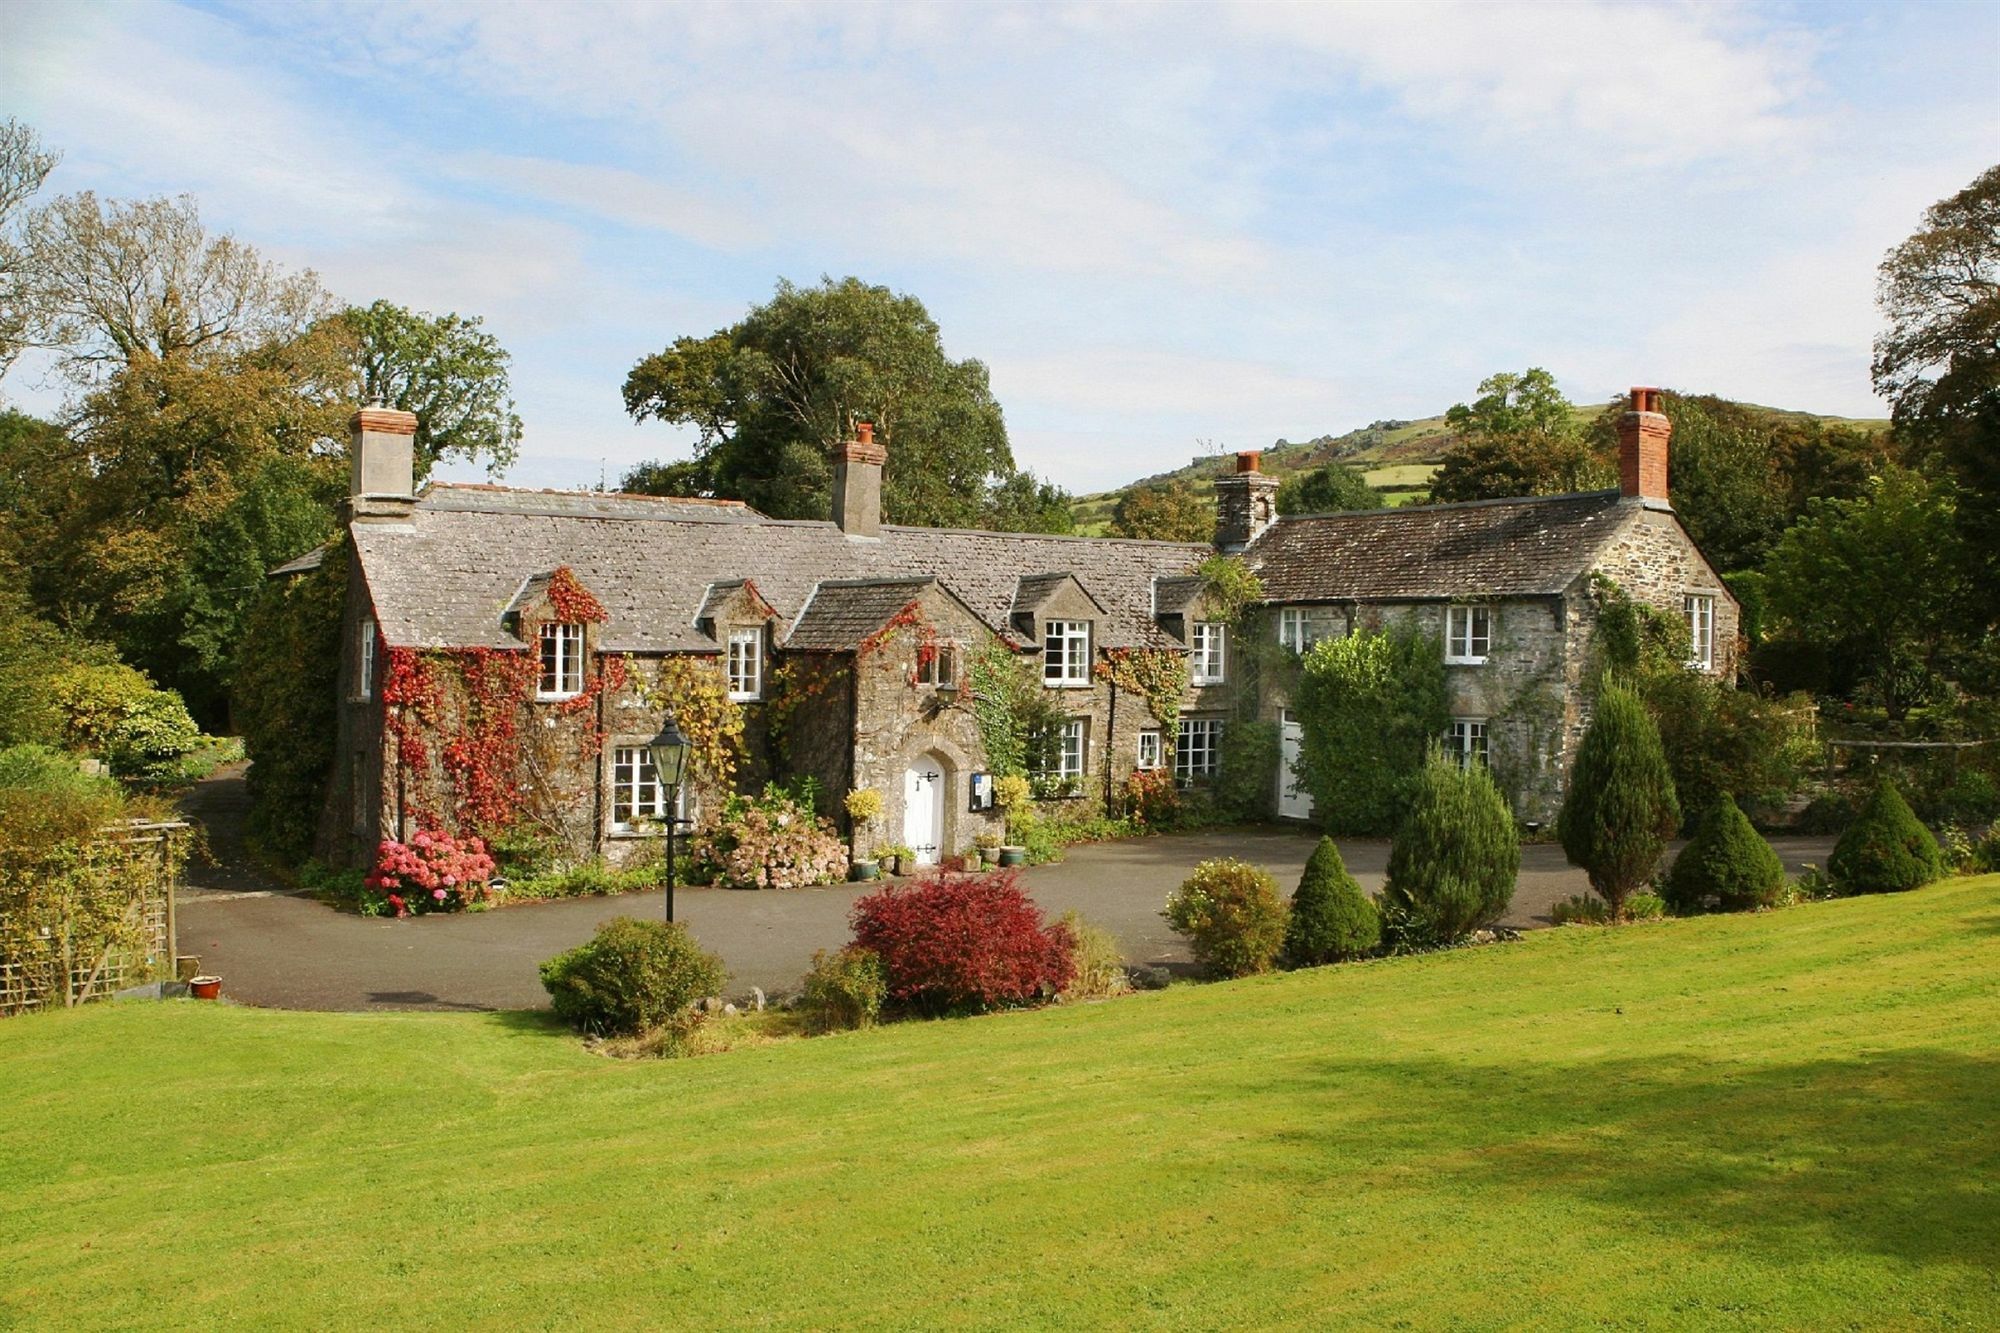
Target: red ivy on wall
{"points": [[573, 603]]}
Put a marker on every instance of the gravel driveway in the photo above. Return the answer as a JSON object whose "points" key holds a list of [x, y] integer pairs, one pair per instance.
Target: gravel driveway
{"points": [[277, 948]]}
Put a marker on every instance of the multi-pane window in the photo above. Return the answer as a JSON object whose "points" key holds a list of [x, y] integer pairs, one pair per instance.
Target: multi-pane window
{"points": [[1065, 759], [562, 661], [937, 664], [1198, 748], [1149, 749], [1066, 653], [1468, 633], [1300, 627], [1207, 643], [364, 671], [638, 797], [1465, 741], [1701, 630], [746, 664]]}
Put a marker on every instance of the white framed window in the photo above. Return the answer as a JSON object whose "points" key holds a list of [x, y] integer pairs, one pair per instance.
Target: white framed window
{"points": [[1468, 634], [638, 797], [1701, 630], [1069, 757], [364, 667], [1066, 653], [1465, 741], [1198, 748], [1149, 749], [746, 664], [1208, 643], [562, 661], [1300, 627], [937, 664]]}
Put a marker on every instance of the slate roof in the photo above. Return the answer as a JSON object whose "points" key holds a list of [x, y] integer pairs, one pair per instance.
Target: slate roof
{"points": [[842, 612], [1488, 548], [444, 578]]}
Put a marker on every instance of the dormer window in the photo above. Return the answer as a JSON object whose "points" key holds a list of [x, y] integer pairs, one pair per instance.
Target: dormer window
{"points": [[562, 661], [1468, 634], [746, 664], [1066, 652], [1207, 647]]}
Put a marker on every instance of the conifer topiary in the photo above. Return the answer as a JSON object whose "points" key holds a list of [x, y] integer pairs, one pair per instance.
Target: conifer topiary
{"points": [[1620, 808], [1456, 855], [1886, 849], [1332, 919], [1726, 863]]}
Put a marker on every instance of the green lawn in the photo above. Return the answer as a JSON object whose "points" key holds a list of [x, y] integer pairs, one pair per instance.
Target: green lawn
{"points": [[1790, 1119]]}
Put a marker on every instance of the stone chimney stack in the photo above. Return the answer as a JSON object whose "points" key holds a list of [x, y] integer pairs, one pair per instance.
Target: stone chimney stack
{"points": [[382, 485], [1643, 432], [857, 483], [1246, 503]]}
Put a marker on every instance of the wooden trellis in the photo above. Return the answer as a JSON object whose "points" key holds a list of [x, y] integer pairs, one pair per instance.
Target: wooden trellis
{"points": [[104, 922]]}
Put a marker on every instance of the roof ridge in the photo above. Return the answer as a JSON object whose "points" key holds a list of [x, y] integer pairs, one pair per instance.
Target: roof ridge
{"points": [[1044, 536], [497, 488], [1492, 503]]}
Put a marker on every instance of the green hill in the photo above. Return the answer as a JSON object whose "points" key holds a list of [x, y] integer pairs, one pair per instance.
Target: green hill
{"points": [[1788, 1120], [1397, 457]]}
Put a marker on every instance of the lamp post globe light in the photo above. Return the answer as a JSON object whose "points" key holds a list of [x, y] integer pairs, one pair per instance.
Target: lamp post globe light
{"points": [[669, 752]]}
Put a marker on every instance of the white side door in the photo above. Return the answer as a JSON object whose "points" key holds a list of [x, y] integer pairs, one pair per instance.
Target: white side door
{"points": [[1294, 801], [923, 810]]}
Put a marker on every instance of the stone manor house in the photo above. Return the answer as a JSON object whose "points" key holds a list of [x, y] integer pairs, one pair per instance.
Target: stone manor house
{"points": [[1508, 587]]}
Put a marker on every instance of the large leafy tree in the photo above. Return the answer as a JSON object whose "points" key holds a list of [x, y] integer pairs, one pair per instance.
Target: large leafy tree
{"points": [[1520, 436], [1334, 488], [447, 370], [770, 395], [1938, 363], [24, 165], [1877, 583], [1169, 511]]}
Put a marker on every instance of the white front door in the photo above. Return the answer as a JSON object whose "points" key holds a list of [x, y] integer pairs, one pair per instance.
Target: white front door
{"points": [[923, 809], [1294, 801]]}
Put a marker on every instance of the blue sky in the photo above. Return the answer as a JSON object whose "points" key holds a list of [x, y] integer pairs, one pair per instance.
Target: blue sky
{"points": [[1163, 227]]}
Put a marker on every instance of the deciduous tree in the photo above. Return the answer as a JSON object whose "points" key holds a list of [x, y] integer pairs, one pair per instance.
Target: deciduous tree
{"points": [[447, 370], [1519, 437], [1334, 488]]}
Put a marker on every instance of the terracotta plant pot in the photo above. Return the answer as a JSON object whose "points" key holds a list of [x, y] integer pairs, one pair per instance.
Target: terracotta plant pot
{"points": [[206, 988]]}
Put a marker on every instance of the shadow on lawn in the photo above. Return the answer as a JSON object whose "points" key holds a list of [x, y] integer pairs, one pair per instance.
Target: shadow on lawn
{"points": [[1893, 1153]]}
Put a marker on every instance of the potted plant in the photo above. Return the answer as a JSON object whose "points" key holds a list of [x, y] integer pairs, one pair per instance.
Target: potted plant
{"points": [[864, 807], [988, 846], [206, 988], [897, 859], [1015, 797]]}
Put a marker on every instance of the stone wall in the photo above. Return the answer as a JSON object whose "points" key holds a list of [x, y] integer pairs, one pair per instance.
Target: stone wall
{"points": [[1652, 558]]}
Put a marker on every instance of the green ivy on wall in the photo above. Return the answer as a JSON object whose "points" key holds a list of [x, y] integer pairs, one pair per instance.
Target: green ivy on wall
{"points": [[1369, 706]]}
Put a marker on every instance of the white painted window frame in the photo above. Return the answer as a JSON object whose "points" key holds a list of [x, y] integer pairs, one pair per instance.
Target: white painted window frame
{"points": [[1699, 607], [1292, 623], [1073, 755], [1467, 741], [942, 668], [1208, 645], [1148, 758], [560, 660], [1066, 653], [1197, 737], [364, 668], [1469, 647], [637, 789], [745, 665]]}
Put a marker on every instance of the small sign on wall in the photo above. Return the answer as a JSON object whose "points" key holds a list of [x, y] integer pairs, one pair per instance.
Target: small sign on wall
{"points": [[982, 791]]}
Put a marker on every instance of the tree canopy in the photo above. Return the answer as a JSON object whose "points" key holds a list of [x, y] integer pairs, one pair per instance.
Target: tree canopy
{"points": [[445, 368], [769, 396], [1334, 488], [1170, 511], [1520, 436]]}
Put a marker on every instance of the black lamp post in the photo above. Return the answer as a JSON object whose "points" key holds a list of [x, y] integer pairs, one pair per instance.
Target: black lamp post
{"points": [[669, 751]]}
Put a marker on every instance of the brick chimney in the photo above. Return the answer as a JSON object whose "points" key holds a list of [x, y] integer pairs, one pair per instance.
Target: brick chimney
{"points": [[1643, 432], [382, 483], [1246, 503], [857, 482]]}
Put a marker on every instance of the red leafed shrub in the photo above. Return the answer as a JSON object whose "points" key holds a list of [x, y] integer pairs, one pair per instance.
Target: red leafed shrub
{"points": [[432, 872], [958, 943]]}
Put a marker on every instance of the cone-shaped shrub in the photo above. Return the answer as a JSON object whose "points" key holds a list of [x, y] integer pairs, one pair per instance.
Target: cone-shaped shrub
{"points": [[1726, 864], [1332, 919], [1456, 855], [1620, 809], [1886, 849]]}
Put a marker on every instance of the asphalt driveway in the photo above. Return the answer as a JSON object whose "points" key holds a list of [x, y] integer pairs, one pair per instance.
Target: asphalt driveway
{"points": [[288, 951]]}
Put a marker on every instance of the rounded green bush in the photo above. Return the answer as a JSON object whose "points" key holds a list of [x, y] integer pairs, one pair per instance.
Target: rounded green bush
{"points": [[844, 990], [1886, 849], [1331, 918], [1726, 864], [1232, 917], [1456, 855], [631, 977]]}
